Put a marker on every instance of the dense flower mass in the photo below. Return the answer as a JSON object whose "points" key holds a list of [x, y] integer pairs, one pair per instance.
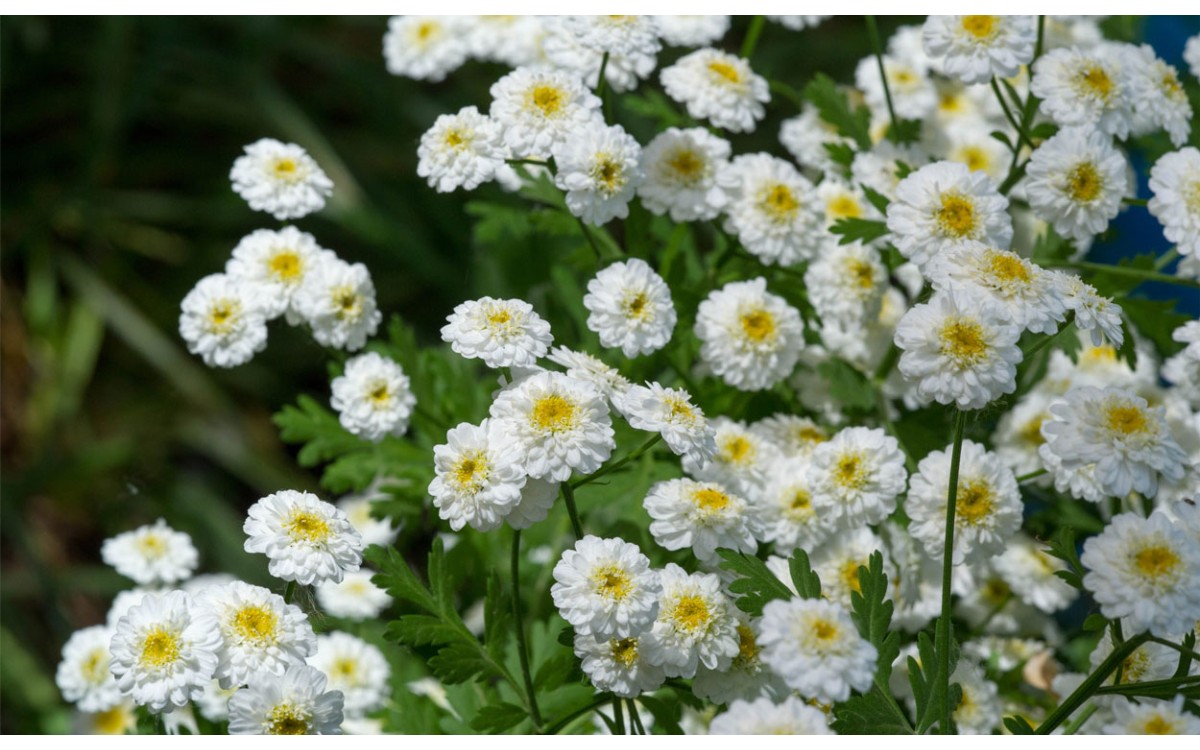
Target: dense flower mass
{"points": [[845, 433]]}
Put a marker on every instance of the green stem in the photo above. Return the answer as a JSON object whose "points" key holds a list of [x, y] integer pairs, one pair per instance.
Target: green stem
{"points": [[1139, 689], [1130, 273], [873, 33], [1031, 475], [1012, 120], [1028, 109], [1045, 341], [1078, 721], [600, 80], [618, 715], [617, 464], [885, 367], [572, 511], [1166, 259], [1175, 646], [587, 233], [566, 721], [1135, 201], [752, 35], [634, 718], [944, 632], [522, 646], [787, 92], [1091, 684], [528, 162], [289, 592]]}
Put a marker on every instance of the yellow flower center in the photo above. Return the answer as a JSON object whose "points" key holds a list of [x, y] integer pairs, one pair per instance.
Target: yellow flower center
{"points": [[222, 315], [724, 70], [1084, 183], [679, 410], [637, 306], [345, 668], [995, 590], [747, 645], [824, 630], [256, 624], [471, 471], [347, 303], [95, 667], [553, 414], [152, 546], [426, 30], [778, 202], [115, 720], [976, 159], [1007, 267], [850, 575], [1158, 724], [1156, 561], [612, 582], [285, 169], [691, 613], [285, 266], [800, 506], [303, 525], [956, 216], [980, 27], [1125, 419], [974, 501], [862, 273], [687, 166], [1031, 431], [379, 393], [708, 499], [455, 138], [624, 651], [811, 434], [737, 450], [1191, 195], [549, 100], [287, 719], [1093, 79], [608, 174], [160, 649], [843, 206], [850, 471], [963, 341], [758, 325]]}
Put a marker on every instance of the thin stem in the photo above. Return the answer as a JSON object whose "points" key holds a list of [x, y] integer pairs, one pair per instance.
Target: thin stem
{"points": [[1012, 120], [1078, 721], [1045, 341], [1135, 201], [752, 35], [600, 80], [944, 633], [522, 646], [1031, 475], [873, 33], [1185, 651], [1028, 109], [1166, 259], [566, 721], [1139, 689], [528, 162], [572, 511], [634, 718], [619, 463], [787, 92], [289, 592], [885, 367], [1130, 273], [1089, 686], [618, 715], [587, 233]]}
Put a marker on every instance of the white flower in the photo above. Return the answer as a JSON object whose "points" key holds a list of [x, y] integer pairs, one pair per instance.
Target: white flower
{"points": [[793, 435], [1127, 440], [276, 264], [583, 366], [223, 321], [945, 205], [913, 94], [975, 49], [1152, 716], [691, 31], [1030, 571], [372, 397], [837, 562], [1145, 570], [856, 477], [959, 348], [296, 703], [684, 170], [617, 35], [356, 668], [152, 554], [478, 480], [1026, 292], [1076, 181], [773, 210], [306, 539], [700, 515], [125, 601], [281, 179], [1175, 182], [746, 678], [1159, 100], [813, 645], [764, 716], [788, 516], [501, 332], [605, 588], [373, 530], [630, 308], [879, 168], [671, 413], [1191, 55], [214, 701], [260, 633], [556, 424], [1093, 313], [847, 283], [164, 651], [750, 338], [355, 598], [461, 150], [798, 23], [987, 504], [718, 87], [696, 624], [120, 719], [618, 665], [805, 136], [565, 49], [1084, 87], [1149, 661], [537, 498], [83, 675], [541, 108], [978, 712], [742, 461], [338, 301], [599, 167], [424, 47]]}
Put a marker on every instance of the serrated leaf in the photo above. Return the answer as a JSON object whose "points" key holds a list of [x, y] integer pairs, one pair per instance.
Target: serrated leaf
{"points": [[834, 108], [869, 713], [755, 584], [555, 671], [1156, 320], [871, 610], [497, 617], [1062, 546], [421, 630], [806, 581], [841, 154], [397, 578], [460, 662], [858, 230], [498, 717], [904, 131], [846, 384], [876, 198], [314, 425]]}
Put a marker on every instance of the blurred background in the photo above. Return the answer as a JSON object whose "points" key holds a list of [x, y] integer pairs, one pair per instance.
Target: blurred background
{"points": [[118, 135]]}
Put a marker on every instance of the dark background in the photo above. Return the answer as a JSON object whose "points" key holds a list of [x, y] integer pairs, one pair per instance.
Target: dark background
{"points": [[118, 135]]}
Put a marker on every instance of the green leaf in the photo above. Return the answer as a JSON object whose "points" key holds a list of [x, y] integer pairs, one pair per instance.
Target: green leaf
{"points": [[311, 423], [858, 230], [555, 671], [807, 582], [755, 584], [871, 610], [847, 385], [496, 718], [834, 108], [877, 199], [1095, 623], [1017, 725], [397, 578], [497, 617], [1156, 320], [869, 713], [841, 154], [1062, 546], [421, 630], [460, 662], [904, 131]]}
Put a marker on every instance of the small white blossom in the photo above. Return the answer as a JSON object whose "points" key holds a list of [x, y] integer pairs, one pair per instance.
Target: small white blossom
{"points": [[372, 397], [223, 320], [295, 703], [306, 539], [281, 179], [152, 555], [630, 308], [718, 87], [463, 150]]}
